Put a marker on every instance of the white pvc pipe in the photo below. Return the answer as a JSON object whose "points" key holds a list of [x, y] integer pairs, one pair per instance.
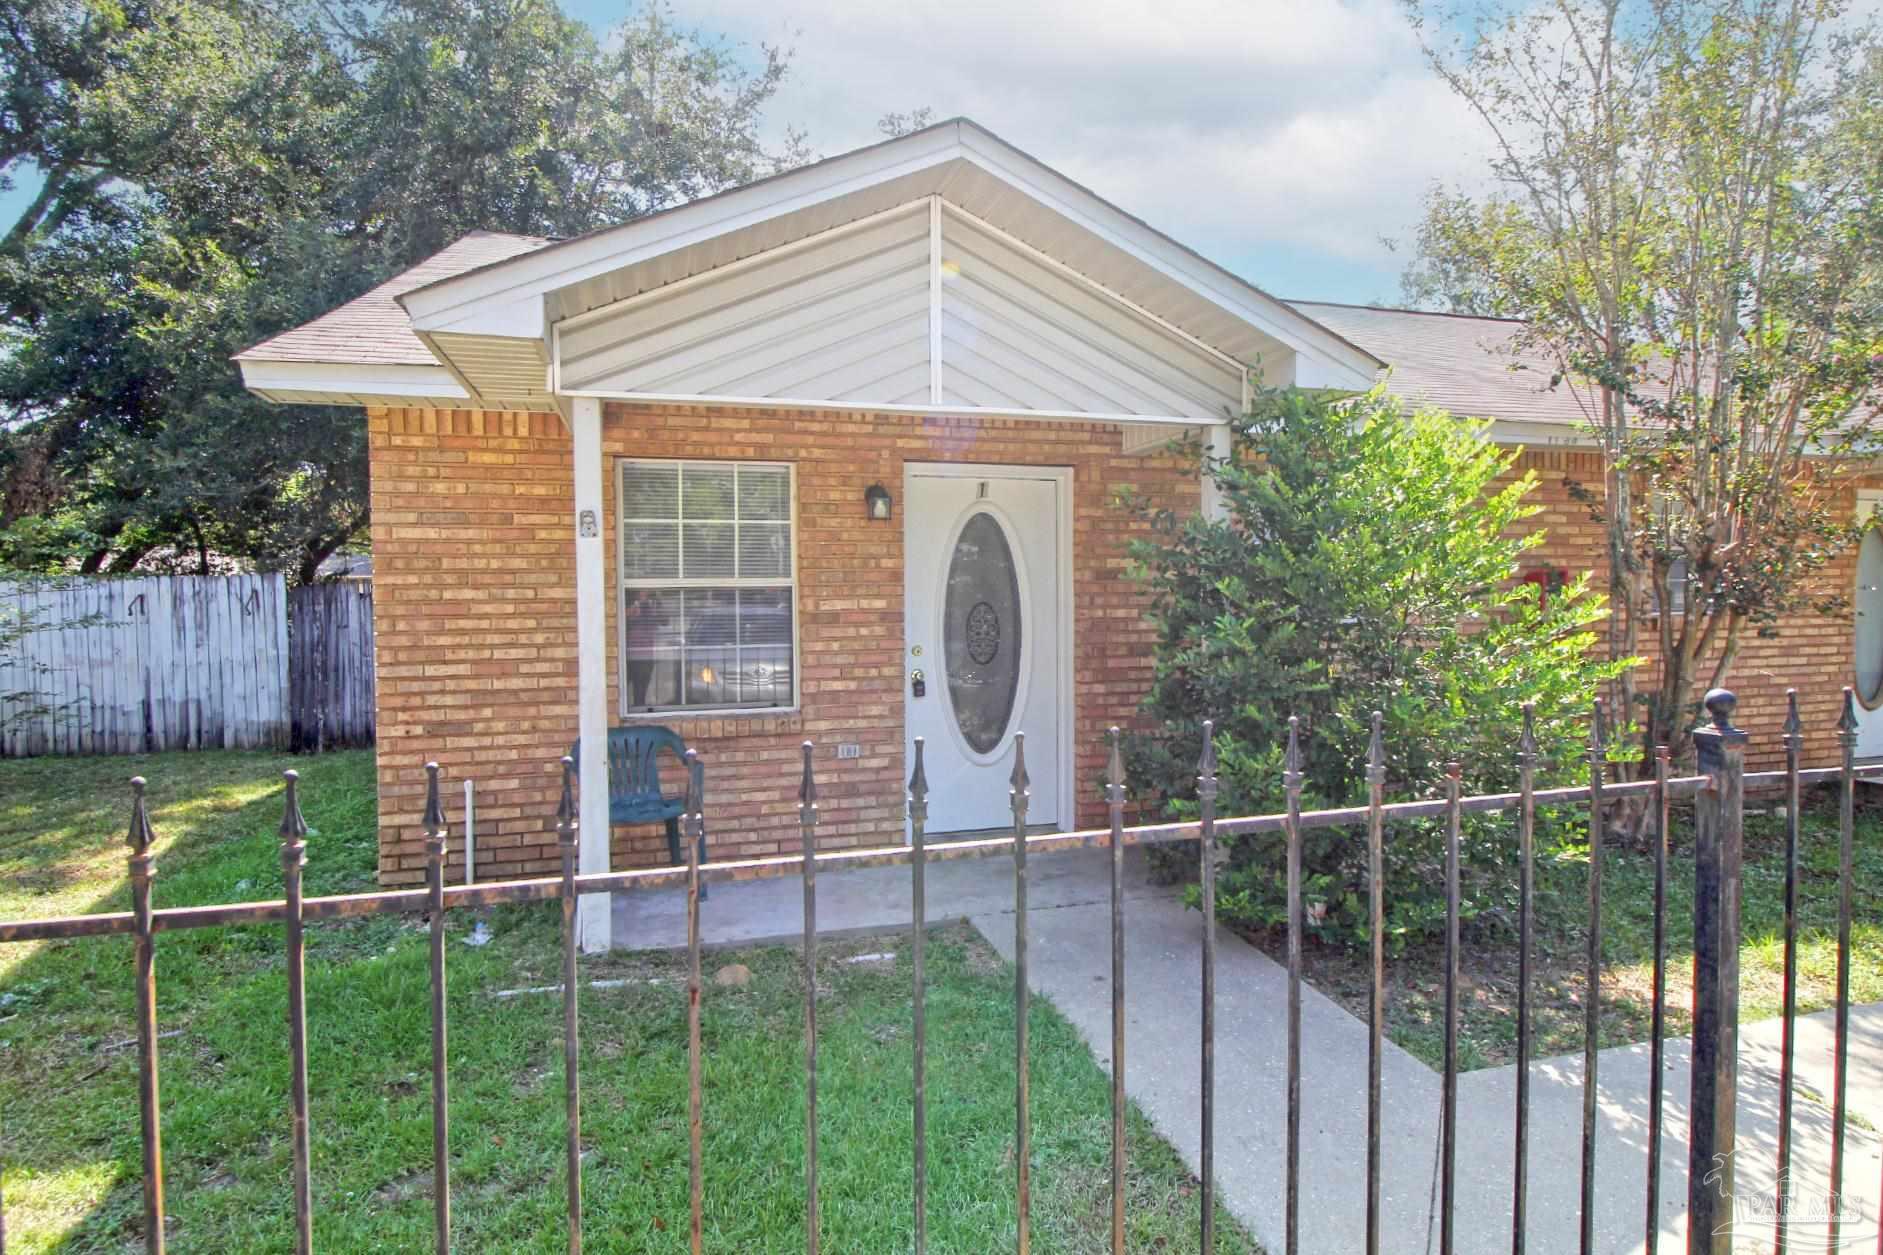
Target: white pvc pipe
{"points": [[470, 835]]}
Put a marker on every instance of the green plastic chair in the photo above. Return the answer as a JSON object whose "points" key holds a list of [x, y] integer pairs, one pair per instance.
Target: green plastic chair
{"points": [[634, 795]]}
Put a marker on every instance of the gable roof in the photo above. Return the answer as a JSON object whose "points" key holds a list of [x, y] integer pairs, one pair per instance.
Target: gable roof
{"points": [[1464, 363], [957, 161], [478, 320]]}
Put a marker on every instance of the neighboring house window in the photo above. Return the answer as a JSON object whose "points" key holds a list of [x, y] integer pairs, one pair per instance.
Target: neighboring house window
{"points": [[1678, 578], [708, 585]]}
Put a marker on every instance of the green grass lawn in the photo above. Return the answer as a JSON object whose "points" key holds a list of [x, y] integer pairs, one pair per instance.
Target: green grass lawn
{"points": [[68, 1104], [1488, 962]]}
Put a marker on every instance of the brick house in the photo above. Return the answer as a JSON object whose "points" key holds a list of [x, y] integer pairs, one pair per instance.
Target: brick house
{"points": [[833, 457]]}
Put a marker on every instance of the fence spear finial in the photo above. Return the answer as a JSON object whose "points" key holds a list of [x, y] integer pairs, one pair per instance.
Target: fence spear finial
{"points": [[1376, 751], [293, 825], [565, 809], [1794, 727], [696, 784], [1291, 765], [434, 806], [1847, 721], [141, 835], [918, 787], [1598, 733], [1115, 767], [1206, 762], [1526, 744], [1019, 779], [807, 784]]}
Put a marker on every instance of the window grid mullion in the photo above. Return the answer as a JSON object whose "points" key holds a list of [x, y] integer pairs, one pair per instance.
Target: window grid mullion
{"points": [[738, 584]]}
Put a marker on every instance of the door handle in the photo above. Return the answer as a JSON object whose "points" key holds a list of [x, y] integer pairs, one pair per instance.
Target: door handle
{"points": [[918, 683]]}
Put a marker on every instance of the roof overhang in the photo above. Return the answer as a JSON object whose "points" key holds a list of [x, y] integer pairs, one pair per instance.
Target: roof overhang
{"points": [[494, 327], [350, 383]]}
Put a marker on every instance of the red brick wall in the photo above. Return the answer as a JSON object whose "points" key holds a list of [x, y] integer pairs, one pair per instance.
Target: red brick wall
{"points": [[1809, 652], [474, 601], [476, 617]]}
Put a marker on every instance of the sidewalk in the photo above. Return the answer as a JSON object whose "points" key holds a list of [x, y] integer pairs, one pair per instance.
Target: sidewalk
{"points": [[1070, 963]]}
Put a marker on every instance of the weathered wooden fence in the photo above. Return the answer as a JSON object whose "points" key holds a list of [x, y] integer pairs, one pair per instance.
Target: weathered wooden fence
{"points": [[146, 663], [124, 666], [330, 666]]}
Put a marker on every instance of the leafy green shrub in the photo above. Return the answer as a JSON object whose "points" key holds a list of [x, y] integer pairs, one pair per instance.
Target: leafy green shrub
{"points": [[1369, 561]]}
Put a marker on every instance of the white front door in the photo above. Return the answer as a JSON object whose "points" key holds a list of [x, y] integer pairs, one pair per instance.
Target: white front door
{"points": [[1867, 628], [984, 646]]}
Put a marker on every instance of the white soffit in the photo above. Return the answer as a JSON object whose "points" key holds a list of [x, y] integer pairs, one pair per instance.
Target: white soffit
{"points": [[919, 306], [1020, 331], [842, 318]]}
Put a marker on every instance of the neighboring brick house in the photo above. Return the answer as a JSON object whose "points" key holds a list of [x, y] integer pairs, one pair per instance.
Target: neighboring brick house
{"points": [[640, 476]]}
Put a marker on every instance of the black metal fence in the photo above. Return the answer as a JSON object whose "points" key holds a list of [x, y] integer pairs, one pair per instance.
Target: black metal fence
{"points": [[1717, 792]]}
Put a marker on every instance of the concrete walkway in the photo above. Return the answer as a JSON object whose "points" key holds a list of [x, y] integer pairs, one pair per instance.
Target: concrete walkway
{"points": [[1069, 900]]}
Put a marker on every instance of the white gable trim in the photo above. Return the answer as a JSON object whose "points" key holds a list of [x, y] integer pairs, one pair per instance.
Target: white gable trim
{"points": [[510, 298], [450, 300], [1009, 330], [1182, 265]]}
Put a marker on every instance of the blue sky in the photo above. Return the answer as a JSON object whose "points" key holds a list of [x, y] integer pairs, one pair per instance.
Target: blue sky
{"points": [[1280, 138]]}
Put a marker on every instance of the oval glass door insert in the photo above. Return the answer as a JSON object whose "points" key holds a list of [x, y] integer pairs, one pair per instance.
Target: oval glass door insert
{"points": [[981, 632], [1867, 639]]}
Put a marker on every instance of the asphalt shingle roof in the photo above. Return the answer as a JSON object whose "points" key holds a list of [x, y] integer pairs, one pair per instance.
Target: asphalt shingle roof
{"points": [[372, 329], [1456, 362]]}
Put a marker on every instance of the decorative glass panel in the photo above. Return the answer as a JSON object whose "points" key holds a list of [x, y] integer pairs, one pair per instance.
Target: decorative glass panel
{"points": [[981, 632], [1868, 636]]}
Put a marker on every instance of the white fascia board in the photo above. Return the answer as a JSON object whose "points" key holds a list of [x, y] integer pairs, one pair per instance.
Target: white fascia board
{"points": [[1354, 366], [457, 303], [345, 379], [876, 407], [1537, 436]]}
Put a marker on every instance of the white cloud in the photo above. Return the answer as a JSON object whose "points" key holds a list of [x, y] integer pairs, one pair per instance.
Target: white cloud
{"points": [[1280, 137]]}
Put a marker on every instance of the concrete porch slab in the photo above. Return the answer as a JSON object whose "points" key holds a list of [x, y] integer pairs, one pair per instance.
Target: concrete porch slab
{"points": [[871, 899]]}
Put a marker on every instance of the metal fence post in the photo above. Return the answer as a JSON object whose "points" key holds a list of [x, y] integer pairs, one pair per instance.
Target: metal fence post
{"points": [[436, 833], [293, 861], [143, 871], [1719, 821], [568, 822]]}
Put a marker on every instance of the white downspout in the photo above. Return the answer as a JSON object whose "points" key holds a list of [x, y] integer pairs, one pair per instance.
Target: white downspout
{"points": [[470, 835]]}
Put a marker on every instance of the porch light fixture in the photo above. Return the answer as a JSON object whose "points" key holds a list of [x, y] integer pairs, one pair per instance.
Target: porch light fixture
{"points": [[876, 502]]}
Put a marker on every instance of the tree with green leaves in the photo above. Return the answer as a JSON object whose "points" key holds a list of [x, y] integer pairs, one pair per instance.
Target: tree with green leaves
{"points": [[1685, 207], [1368, 561], [213, 171]]}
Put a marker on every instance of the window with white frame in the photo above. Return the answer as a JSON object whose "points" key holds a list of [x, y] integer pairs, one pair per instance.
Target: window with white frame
{"points": [[708, 578]]}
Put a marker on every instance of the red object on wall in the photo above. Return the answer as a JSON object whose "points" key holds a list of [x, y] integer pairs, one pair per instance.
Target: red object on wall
{"points": [[1548, 579]]}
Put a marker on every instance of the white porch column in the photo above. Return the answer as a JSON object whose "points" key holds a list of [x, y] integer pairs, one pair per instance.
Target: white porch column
{"points": [[1216, 441], [591, 630]]}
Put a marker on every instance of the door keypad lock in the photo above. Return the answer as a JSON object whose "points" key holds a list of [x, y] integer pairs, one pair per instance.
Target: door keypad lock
{"points": [[918, 683]]}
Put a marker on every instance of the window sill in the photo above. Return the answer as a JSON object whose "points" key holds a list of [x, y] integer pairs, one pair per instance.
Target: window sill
{"points": [[704, 715]]}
